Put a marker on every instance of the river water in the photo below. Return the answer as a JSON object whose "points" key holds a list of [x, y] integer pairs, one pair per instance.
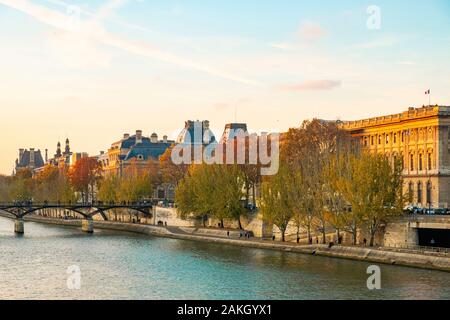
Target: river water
{"points": [[118, 265]]}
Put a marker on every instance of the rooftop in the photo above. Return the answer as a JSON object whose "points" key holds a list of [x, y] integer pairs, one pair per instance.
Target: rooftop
{"points": [[410, 114]]}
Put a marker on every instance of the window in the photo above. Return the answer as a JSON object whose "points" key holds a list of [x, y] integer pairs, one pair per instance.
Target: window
{"points": [[410, 192], [395, 138], [403, 136], [372, 140], [419, 193], [387, 139], [420, 162], [411, 162], [429, 192], [379, 139], [365, 141], [430, 161]]}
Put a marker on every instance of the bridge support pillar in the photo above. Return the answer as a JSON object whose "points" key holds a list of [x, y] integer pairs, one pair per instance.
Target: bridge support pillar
{"points": [[19, 226], [87, 225]]}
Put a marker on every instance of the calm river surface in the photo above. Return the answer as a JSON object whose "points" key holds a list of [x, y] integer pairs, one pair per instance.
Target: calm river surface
{"points": [[127, 266]]}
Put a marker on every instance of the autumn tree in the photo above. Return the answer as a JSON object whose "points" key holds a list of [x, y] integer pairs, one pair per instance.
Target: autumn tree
{"points": [[84, 175], [108, 188], [385, 195], [171, 173], [21, 188], [137, 182], [212, 191], [228, 193], [52, 184], [276, 200]]}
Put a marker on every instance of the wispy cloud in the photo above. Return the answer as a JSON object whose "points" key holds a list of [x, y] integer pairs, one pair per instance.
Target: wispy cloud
{"points": [[310, 30], [312, 85], [407, 63], [377, 43], [94, 31], [281, 45]]}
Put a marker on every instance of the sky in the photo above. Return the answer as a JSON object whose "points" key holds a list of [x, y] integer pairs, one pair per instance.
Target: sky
{"points": [[93, 70]]}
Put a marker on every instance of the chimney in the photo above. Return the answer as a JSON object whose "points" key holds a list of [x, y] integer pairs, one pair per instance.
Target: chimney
{"points": [[31, 156], [154, 138], [138, 136], [21, 151], [165, 139], [46, 155], [126, 135]]}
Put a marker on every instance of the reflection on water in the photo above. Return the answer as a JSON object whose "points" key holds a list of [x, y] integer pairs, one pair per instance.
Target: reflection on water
{"points": [[127, 266]]}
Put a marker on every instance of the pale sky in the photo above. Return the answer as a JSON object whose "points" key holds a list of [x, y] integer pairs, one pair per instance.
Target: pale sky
{"points": [[93, 70]]}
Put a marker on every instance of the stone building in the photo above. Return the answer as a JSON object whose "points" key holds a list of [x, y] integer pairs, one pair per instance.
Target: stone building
{"points": [[29, 159], [420, 138], [231, 130], [196, 132], [136, 150]]}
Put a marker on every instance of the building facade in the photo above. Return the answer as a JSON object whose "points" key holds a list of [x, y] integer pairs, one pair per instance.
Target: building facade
{"points": [[136, 150], [420, 139], [232, 130], [29, 159], [196, 133]]}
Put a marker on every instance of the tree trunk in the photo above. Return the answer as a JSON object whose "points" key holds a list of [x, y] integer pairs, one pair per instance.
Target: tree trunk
{"points": [[221, 224], [247, 194], [372, 239], [324, 235], [355, 236], [254, 194], [240, 224], [298, 233], [283, 235], [338, 236], [309, 233]]}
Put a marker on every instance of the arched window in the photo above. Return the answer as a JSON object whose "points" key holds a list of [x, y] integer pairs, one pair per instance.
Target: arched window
{"points": [[430, 161], [411, 162], [429, 193], [410, 192], [419, 193], [420, 162]]}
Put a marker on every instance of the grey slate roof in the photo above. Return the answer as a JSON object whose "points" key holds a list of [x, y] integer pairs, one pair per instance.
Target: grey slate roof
{"points": [[147, 150], [25, 160]]}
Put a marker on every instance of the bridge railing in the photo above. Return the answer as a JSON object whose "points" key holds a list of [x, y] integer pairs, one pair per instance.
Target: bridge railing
{"points": [[74, 204]]}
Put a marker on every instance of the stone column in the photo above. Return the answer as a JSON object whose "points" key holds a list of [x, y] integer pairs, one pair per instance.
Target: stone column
{"points": [[87, 225], [19, 226]]}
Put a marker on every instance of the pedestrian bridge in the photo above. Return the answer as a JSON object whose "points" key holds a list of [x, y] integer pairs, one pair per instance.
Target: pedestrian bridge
{"points": [[87, 211]]}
